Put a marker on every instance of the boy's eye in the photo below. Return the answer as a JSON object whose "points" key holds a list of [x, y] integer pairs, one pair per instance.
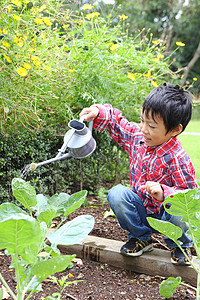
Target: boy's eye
{"points": [[151, 126]]}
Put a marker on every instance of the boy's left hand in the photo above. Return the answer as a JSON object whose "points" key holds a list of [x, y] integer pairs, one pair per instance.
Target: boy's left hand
{"points": [[154, 189]]}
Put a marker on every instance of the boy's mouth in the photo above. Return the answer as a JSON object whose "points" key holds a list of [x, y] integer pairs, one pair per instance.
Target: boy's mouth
{"points": [[146, 139]]}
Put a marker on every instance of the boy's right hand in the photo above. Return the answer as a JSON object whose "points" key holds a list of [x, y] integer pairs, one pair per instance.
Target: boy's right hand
{"points": [[90, 112]]}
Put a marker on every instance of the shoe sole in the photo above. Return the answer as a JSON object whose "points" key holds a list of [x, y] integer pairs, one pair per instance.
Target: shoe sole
{"points": [[180, 263], [139, 253]]}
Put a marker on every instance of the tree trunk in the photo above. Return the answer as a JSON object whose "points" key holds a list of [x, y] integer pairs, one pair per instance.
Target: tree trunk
{"points": [[190, 65]]}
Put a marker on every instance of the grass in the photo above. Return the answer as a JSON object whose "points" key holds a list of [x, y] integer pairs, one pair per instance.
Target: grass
{"points": [[191, 144]]}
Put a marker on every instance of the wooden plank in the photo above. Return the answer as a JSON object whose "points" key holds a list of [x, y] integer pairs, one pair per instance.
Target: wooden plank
{"points": [[156, 262]]}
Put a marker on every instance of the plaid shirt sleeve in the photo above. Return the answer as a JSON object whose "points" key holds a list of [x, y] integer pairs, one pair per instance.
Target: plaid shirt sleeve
{"points": [[182, 176], [119, 128]]}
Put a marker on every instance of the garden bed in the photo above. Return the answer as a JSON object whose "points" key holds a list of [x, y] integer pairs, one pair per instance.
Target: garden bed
{"points": [[100, 280]]}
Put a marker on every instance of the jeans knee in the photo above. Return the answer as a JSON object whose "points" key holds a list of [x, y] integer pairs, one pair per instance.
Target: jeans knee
{"points": [[116, 196]]}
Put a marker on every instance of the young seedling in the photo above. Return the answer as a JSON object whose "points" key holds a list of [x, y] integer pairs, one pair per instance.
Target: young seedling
{"points": [[24, 236], [187, 205]]}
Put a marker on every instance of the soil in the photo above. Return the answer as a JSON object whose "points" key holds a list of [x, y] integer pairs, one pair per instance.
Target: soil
{"points": [[98, 280]]}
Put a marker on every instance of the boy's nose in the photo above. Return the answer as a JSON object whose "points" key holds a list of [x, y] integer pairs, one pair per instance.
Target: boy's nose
{"points": [[143, 128]]}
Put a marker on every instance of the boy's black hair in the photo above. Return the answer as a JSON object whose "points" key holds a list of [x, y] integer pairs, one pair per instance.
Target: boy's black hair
{"points": [[170, 102]]}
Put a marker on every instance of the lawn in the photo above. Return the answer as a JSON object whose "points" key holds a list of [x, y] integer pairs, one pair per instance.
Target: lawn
{"points": [[191, 144]]}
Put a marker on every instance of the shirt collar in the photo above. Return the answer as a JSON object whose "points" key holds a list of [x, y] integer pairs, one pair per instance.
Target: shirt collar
{"points": [[162, 149]]}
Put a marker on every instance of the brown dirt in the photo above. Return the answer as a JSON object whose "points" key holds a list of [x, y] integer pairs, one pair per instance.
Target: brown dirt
{"points": [[101, 281]]}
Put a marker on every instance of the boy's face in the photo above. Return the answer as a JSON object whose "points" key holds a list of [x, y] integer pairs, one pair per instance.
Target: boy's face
{"points": [[154, 130]]}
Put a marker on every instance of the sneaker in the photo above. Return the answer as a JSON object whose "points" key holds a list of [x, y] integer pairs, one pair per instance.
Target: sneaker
{"points": [[178, 258], [135, 247]]}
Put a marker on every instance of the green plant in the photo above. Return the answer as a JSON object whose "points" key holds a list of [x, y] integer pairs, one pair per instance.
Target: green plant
{"points": [[23, 233], [55, 62], [62, 283], [187, 205]]}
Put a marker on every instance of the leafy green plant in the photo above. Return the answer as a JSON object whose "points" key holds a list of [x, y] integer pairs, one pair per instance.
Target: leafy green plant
{"points": [[56, 61], [187, 205], [23, 233], [62, 283]]}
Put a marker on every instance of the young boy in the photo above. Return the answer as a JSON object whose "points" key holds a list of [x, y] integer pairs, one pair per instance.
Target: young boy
{"points": [[159, 166]]}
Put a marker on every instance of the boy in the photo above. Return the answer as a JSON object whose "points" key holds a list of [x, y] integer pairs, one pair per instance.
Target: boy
{"points": [[159, 166]]}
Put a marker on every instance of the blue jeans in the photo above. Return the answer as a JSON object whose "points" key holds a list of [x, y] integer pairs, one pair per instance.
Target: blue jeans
{"points": [[132, 214]]}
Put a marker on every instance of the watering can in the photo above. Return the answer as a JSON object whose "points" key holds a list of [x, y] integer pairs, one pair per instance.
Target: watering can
{"points": [[78, 139]]}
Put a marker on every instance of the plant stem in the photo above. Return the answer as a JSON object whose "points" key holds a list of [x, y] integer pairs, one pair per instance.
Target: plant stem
{"points": [[28, 285], [189, 286], [198, 287], [7, 287]]}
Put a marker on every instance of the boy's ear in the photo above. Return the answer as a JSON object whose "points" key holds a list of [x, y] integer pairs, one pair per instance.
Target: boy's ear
{"points": [[177, 130]]}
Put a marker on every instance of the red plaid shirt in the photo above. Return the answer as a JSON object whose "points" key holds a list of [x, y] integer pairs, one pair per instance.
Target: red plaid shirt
{"points": [[167, 164]]}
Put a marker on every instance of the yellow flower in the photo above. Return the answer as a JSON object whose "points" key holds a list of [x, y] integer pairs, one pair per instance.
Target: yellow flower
{"points": [[34, 10], [22, 71], [71, 70], [18, 41], [131, 76], [47, 21], [38, 21], [149, 74], [47, 68], [7, 58], [42, 7], [4, 31], [34, 57], [65, 26], [71, 275], [182, 76], [36, 63], [92, 15], [16, 2], [155, 59], [6, 44], [154, 83], [9, 8], [180, 44], [26, 66], [32, 49], [87, 6], [156, 42], [114, 47], [195, 79], [160, 56], [17, 18], [123, 17]]}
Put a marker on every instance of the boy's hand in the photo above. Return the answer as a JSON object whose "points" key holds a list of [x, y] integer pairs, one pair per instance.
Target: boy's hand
{"points": [[154, 189], [90, 112]]}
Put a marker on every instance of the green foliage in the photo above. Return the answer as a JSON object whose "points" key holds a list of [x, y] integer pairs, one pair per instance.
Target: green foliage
{"points": [[28, 237], [62, 284], [169, 286], [187, 205], [55, 62], [69, 175]]}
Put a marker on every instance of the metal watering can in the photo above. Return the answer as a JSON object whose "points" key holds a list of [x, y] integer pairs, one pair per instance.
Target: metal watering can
{"points": [[78, 139]]}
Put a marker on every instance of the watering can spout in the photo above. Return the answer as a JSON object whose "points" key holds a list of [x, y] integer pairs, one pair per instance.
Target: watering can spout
{"points": [[78, 139]]}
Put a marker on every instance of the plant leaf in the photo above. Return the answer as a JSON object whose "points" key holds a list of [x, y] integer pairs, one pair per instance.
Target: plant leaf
{"points": [[8, 209], [170, 230], [46, 268], [24, 193], [59, 202], [187, 204], [169, 286], [74, 202], [72, 232], [18, 232]]}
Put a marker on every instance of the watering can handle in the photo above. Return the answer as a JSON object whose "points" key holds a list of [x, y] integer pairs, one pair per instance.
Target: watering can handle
{"points": [[90, 123]]}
